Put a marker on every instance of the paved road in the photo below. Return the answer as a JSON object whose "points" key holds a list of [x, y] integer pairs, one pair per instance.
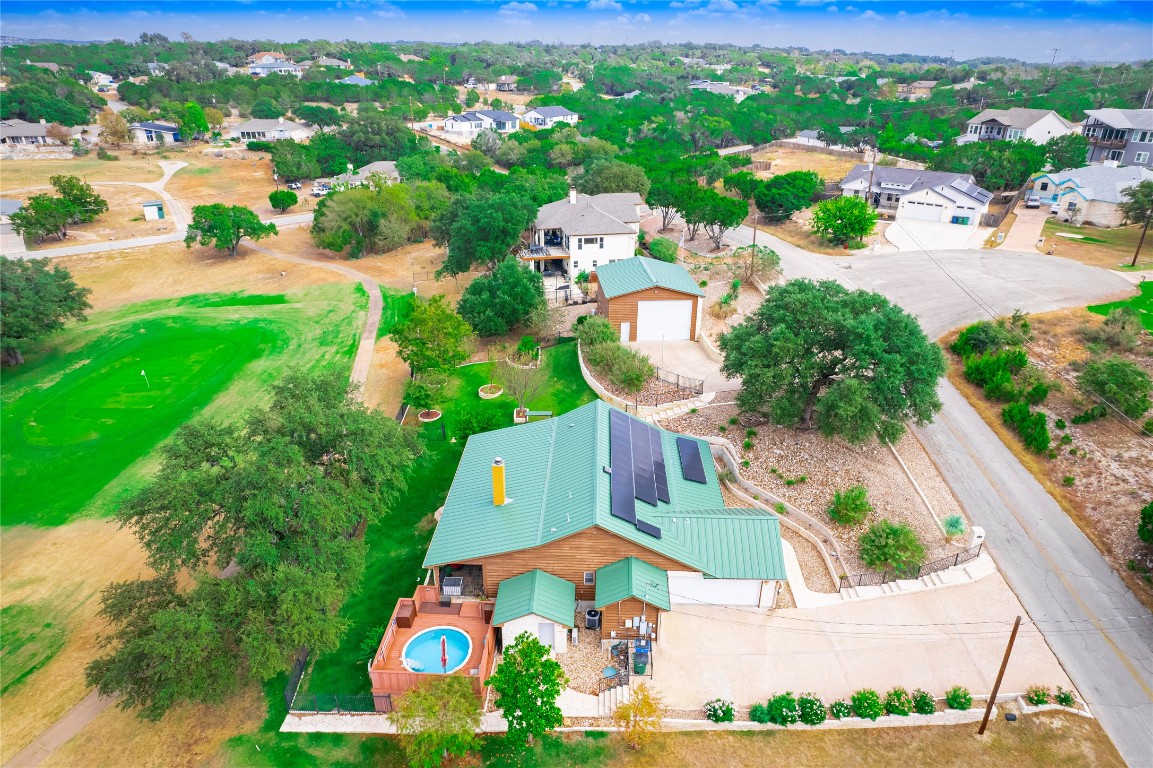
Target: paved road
{"points": [[1059, 575]]}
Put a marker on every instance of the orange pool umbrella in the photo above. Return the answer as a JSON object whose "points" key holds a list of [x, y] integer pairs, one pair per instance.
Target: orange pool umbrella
{"points": [[444, 652]]}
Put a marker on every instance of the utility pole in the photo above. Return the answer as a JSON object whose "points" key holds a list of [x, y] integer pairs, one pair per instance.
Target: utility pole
{"points": [[1141, 241], [1049, 77], [869, 192], [1000, 674]]}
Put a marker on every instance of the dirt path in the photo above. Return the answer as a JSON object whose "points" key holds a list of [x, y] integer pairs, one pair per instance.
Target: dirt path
{"points": [[72, 723], [363, 361]]}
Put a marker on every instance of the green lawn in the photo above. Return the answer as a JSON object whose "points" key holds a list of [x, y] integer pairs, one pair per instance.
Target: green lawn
{"points": [[397, 544], [30, 635], [80, 419], [397, 307], [1142, 303]]}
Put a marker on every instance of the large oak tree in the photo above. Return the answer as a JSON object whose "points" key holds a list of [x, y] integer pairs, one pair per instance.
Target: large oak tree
{"points": [[849, 363], [36, 298]]}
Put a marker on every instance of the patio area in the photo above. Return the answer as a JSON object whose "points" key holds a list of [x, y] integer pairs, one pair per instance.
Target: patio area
{"points": [[686, 358]]}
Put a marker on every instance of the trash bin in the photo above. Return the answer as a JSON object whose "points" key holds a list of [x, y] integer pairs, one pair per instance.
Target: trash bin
{"points": [[639, 668], [640, 661]]}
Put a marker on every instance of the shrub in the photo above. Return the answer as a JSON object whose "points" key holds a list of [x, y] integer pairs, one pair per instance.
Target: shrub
{"points": [[104, 154], [1065, 698], [958, 697], [1094, 413], [850, 506], [898, 702], [1036, 394], [1145, 524], [478, 417], [812, 709], [625, 368], [955, 526], [719, 711], [867, 704], [1037, 695], [663, 249], [526, 348], [1032, 427], [747, 445], [750, 433], [985, 369], [923, 703], [593, 330], [980, 338], [783, 710], [1068, 481], [260, 146], [1120, 382], [840, 709], [891, 545], [759, 713], [1121, 329], [1060, 424]]}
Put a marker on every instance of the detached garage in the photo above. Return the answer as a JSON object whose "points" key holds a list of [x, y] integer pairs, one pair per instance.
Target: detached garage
{"points": [[649, 300]]}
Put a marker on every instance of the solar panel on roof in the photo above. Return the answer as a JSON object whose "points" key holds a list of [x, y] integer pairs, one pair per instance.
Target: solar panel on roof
{"points": [[651, 530], [691, 466], [622, 503], [644, 483]]}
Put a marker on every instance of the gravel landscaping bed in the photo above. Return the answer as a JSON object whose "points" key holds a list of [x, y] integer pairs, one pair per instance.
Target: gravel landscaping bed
{"points": [[816, 573], [805, 469], [584, 661], [656, 391]]}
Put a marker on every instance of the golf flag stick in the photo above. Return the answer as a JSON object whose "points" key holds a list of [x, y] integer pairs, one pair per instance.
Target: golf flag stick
{"points": [[146, 382]]}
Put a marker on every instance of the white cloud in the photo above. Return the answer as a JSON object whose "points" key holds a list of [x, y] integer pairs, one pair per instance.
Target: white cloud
{"points": [[720, 6], [605, 5], [514, 8], [832, 9], [387, 11], [636, 18], [870, 16], [813, 2]]}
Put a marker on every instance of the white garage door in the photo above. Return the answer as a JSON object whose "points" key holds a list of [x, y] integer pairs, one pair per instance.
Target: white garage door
{"points": [[664, 320], [925, 211], [694, 589]]}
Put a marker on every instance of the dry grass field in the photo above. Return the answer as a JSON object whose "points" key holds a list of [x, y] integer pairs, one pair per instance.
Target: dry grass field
{"points": [[18, 174], [1098, 247], [124, 219], [786, 160], [244, 179]]}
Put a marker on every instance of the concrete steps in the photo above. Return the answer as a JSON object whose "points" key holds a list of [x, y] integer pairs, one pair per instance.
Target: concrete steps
{"points": [[608, 701]]}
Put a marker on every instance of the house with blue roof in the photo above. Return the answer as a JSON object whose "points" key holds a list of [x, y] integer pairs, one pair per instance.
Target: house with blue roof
{"points": [[595, 510]]}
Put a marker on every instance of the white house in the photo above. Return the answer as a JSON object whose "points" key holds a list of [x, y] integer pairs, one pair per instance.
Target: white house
{"points": [[384, 170], [356, 80], [100, 78], [150, 133], [1036, 125], [270, 130], [548, 117], [579, 233], [267, 62], [472, 123], [908, 193], [16, 131], [1092, 194], [738, 93]]}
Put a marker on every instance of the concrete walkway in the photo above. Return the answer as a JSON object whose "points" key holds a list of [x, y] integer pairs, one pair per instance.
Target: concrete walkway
{"points": [[72, 723], [1026, 229]]}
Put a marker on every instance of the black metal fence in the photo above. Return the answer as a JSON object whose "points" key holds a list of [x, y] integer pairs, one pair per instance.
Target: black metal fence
{"points": [[298, 668], [687, 383], [884, 577], [335, 703]]}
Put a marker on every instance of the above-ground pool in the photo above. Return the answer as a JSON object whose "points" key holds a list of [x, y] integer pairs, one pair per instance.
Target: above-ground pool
{"points": [[427, 654]]}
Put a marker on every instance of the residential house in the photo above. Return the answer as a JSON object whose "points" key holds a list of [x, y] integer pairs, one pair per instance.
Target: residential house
{"points": [[582, 232], [650, 300], [968, 85], [473, 122], [630, 95], [270, 130], [629, 516], [148, 133], [326, 61], [689, 61], [548, 117], [506, 83], [917, 90], [266, 57], [16, 131], [100, 78], [1036, 125], [356, 80], [385, 170], [1121, 135], [909, 193], [1092, 194], [10, 241], [266, 63], [738, 93]]}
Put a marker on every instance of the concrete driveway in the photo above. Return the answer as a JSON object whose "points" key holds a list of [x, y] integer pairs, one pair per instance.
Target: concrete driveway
{"points": [[686, 358], [931, 640], [1026, 230], [913, 235]]}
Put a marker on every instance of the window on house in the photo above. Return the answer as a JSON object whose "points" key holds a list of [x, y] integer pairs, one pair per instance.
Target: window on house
{"points": [[1044, 186], [1143, 137], [1090, 132], [1141, 157], [1015, 134], [1116, 154], [973, 129], [594, 263], [590, 577]]}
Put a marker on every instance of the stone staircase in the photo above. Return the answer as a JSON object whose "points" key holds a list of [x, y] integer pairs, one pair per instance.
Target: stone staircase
{"points": [[609, 700], [672, 410]]}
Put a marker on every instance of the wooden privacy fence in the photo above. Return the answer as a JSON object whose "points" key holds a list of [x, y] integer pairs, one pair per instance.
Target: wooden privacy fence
{"points": [[884, 577]]}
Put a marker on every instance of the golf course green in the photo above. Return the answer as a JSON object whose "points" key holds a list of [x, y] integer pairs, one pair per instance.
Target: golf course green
{"points": [[101, 396]]}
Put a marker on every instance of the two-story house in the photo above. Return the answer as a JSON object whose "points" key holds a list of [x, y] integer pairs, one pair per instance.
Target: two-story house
{"points": [[1036, 125], [909, 193], [917, 90], [268, 62], [1121, 135], [469, 124], [548, 117], [579, 233]]}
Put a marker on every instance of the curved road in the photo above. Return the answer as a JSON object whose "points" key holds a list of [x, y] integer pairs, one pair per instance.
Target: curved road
{"points": [[1098, 629]]}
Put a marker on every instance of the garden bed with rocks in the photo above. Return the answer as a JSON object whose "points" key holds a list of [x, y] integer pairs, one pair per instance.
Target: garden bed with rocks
{"points": [[584, 661], [805, 469]]}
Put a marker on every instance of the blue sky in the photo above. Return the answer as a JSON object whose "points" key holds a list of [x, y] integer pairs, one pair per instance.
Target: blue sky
{"points": [[1088, 30]]}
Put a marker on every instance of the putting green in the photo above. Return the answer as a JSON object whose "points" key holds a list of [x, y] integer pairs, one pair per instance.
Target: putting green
{"points": [[77, 417], [1142, 304]]}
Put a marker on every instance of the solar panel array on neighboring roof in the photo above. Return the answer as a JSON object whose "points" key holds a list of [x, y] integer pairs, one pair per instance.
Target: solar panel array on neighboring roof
{"points": [[972, 190], [691, 466], [636, 460]]}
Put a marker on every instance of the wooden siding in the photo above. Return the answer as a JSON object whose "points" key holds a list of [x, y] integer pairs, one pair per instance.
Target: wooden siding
{"points": [[613, 618], [568, 559], [623, 308]]}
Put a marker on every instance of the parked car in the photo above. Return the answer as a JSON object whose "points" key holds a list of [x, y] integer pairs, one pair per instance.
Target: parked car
{"points": [[102, 89], [1055, 208], [1034, 201], [293, 185]]}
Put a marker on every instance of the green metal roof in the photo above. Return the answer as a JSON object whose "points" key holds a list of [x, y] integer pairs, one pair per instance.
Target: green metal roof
{"points": [[639, 272], [556, 486], [632, 577], [535, 592]]}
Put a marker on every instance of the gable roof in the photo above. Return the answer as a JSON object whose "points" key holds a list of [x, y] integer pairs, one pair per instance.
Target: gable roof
{"points": [[18, 127], [356, 80], [1017, 117], [262, 54], [150, 126], [909, 180], [556, 486], [538, 593], [258, 125], [639, 273], [609, 213], [496, 114], [1102, 183], [632, 577], [552, 111], [1124, 118]]}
